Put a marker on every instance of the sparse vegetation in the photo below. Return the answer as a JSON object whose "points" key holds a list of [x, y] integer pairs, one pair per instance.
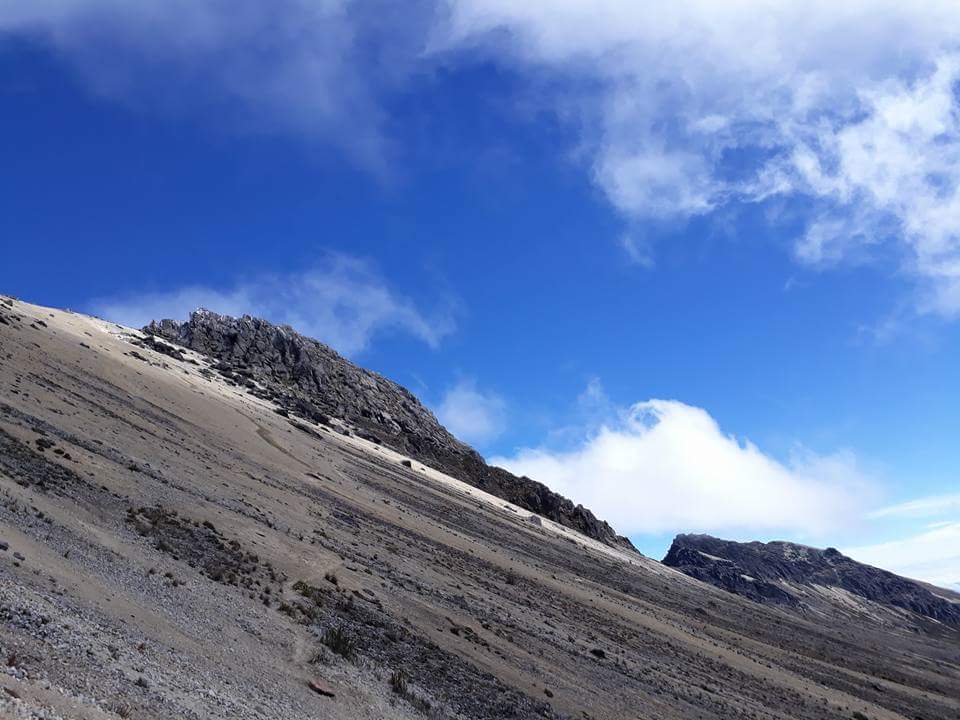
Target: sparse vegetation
{"points": [[121, 709], [200, 545], [340, 642], [398, 682], [400, 687]]}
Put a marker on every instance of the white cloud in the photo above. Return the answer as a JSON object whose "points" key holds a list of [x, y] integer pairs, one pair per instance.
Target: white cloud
{"points": [[932, 555], [681, 107], [342, 302], [901, 162], [692, 105], [470, 414], [664, 466]]}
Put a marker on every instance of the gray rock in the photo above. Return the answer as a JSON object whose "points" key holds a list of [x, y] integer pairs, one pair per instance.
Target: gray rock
{"points": [[309, 379]]}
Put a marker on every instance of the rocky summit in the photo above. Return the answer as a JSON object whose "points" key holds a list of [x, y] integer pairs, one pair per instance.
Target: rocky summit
{"points": [[312, 381], [789, 574]]}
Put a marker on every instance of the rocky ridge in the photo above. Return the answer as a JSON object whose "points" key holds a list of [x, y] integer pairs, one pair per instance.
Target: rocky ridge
{"points": [[769, 573], [311, 380]]}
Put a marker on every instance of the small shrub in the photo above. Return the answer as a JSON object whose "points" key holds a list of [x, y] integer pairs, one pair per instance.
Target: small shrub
{"points": [[398, 682], [345, 604], [340, 642], [121, 710], [319, 658]]}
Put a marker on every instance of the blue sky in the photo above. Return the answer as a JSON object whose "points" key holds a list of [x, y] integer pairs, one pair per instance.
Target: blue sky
{"points": [[698, 269]]}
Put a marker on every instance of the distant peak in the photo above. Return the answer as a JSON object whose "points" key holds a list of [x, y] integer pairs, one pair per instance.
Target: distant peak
{"points": [[772, 571]]}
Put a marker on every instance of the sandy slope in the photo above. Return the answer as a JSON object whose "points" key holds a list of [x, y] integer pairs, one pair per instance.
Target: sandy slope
{"points": [[121, 608]]}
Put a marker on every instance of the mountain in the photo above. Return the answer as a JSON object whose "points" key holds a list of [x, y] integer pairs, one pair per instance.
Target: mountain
{"points": [[172, 545], [798, 576], [310, 380]]}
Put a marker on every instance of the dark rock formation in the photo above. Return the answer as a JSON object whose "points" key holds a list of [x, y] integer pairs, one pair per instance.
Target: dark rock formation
{"points": [[726, 574], [309, 379], [759, 570]]}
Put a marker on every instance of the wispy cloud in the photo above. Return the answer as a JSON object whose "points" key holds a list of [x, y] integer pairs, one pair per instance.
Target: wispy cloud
{"points": [[472, 415], [893, 172], [693, 106], [920, 508], [664, 466], [315, 68], [342, 301], [932, 555], [925, 540]]}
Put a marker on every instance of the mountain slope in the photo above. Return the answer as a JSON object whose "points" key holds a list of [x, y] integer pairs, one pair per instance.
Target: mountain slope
{"points": [[311, 380], [783, 573], [172, 547]]}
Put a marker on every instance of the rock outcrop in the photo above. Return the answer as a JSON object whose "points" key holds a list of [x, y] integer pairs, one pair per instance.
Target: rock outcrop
{"points": [[309, 379], [772, 572]]}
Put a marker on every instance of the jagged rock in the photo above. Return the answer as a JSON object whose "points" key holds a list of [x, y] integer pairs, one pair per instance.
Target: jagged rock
{"points": [[761, 571], [309, 379]]}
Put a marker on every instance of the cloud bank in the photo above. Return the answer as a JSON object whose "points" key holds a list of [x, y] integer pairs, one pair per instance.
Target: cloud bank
{"points": [[664, 465], [342, 302]]}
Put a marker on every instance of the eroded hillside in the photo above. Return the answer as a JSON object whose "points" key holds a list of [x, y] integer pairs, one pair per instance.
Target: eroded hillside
{"points": [[173, 546]]}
